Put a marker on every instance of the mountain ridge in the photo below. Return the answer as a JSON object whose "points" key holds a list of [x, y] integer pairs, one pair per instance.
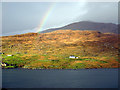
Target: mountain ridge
{"points": [[88, 25]]}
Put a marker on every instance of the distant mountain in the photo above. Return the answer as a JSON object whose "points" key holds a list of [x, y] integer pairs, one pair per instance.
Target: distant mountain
{"points": [[119, 28], [87, 25]]}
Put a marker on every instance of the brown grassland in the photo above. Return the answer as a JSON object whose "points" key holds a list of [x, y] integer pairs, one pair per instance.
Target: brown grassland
{"points": [[52, 50]]}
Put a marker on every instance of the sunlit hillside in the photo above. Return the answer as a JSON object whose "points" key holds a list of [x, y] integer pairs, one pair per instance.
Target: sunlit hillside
{"points": [[52, 50]]}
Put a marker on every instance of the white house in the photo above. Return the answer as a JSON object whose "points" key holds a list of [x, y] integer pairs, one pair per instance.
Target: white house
{"points": [[3, 64], [76, 57], [73, 57], [9, 55]]}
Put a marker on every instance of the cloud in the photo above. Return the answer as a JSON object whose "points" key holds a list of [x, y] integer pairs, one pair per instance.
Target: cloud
{"points": [[22, 17], [19, 32], [101, 12]]}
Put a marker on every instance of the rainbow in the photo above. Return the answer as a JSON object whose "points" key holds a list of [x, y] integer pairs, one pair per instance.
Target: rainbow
{"points": [[45, 17]]}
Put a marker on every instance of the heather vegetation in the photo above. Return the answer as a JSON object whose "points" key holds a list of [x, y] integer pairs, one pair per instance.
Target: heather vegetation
{"points": [[52, 50]]}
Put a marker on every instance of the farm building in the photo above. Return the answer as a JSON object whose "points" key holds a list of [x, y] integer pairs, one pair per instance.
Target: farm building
{"points": [[73, 57]]}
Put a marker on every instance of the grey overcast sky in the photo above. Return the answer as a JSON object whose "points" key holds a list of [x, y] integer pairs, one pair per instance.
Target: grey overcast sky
{"points": [[24, 17]]}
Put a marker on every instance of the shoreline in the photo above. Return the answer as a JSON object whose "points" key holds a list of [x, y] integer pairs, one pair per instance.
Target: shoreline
{"points": [[60, 69]]}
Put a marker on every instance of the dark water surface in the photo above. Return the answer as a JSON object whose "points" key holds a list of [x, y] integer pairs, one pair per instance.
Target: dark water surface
{"points": [[82, 78]]}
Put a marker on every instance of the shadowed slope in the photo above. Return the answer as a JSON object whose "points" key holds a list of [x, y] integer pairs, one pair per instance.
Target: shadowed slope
{"points": [[87, 25]]}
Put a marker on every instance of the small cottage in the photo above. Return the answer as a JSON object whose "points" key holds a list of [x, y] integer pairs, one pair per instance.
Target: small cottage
{"points": [[3, 64], [73, 57], [9, 55], [76, 57], [8, 65]]}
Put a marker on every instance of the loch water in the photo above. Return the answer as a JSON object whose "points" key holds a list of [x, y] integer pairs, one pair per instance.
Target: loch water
{"points": [[54, 78]]}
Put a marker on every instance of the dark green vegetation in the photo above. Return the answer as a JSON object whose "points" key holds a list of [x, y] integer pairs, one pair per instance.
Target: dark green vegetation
{"points": [[52, 50]]}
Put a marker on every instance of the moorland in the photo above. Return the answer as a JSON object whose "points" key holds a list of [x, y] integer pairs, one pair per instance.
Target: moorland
{"points": [[52, 50]]}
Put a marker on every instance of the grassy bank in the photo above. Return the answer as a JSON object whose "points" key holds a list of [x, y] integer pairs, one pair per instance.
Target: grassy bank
{"points": [[45, 62]]}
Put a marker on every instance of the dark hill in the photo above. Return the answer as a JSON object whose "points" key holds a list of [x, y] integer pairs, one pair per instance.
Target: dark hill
{"points": [[87, 25]]}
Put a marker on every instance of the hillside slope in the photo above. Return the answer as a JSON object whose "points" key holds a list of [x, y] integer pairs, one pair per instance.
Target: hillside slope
{"points": [[52, 50]]}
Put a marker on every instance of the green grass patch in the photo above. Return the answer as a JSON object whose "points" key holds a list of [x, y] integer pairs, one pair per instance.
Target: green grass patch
{"points": [[79, 65], [10, 67], [103, 61]]}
